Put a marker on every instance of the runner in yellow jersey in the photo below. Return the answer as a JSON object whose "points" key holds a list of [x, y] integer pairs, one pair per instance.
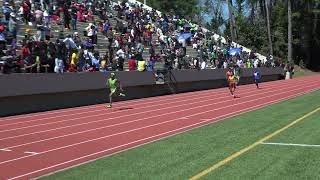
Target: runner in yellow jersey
{"points": [[232, 80], [115, 88]]}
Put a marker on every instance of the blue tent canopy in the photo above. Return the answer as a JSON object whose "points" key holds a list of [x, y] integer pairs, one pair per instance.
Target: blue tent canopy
{"points": [[234, 51], [185, 36]]}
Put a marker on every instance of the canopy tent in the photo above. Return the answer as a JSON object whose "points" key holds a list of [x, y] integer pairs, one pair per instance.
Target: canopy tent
{"points": [[185, 36], [234, 51]]}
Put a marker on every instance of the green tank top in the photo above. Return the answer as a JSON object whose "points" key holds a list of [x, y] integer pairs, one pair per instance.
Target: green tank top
{"points": [[38, 60], [112, 83]]}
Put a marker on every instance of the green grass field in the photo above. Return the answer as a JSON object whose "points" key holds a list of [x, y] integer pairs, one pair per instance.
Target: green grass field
{"points": [[185, 155]]}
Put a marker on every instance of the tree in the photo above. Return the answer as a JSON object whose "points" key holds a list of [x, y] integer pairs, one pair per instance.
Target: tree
{"points": [[268, 27], [289, 32], [232, 20], [178, 7], [213, 9]]}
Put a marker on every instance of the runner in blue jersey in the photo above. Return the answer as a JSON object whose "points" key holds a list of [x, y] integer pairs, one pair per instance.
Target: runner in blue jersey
{"points": [[256, 77]]}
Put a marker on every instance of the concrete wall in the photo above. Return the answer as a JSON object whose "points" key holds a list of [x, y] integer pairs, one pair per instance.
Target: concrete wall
{"points": [[26, 93]]}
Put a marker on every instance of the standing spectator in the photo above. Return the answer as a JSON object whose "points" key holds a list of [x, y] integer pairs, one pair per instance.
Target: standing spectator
{"points": [[26, 9], [74, 20], [66, 17], [120, 57], [38, 15], [91, 31], [13, 25]]}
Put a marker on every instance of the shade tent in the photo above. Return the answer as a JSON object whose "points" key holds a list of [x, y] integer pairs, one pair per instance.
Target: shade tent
{"points": [[184, 36], [234, 51]]}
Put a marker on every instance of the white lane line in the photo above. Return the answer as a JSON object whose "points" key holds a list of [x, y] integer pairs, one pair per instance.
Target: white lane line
{"points": [[289, 144], [135, 101], [175, 132], [155, 104], [5, 149], [137, 113], [33, 153], [185, 118], [149, 100], [127, 122], [132, 130]]}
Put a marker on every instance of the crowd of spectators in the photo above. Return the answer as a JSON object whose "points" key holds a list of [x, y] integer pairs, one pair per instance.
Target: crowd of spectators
{"points": [[137, 31]]}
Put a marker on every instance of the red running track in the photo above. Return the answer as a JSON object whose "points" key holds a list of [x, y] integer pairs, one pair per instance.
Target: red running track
{"points": [[37, 144]]}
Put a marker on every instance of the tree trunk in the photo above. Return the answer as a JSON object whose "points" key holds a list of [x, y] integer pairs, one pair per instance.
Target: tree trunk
{"points": [[231, 20], [289, 32], [268, 26], [235, 33]]}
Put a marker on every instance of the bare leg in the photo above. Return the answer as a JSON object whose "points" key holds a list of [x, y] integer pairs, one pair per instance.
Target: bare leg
{"points": [[230, 89], [110, 100]]}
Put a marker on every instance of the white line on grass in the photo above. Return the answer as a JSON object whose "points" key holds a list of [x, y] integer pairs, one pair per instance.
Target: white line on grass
{"points": [[290, 144]]}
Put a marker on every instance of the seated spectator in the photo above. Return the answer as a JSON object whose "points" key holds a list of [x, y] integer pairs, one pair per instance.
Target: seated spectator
{"points": [[59, 65], [80, 17], [150, 65], [132, 64], [103, 66], [141, 65], [3, 40]]}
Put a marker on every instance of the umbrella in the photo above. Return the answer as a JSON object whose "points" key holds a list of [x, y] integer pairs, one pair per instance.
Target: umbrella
{"points": [[185, 36]]}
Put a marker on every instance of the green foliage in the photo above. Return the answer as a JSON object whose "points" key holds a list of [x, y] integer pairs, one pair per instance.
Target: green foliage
{"points": [[214, 10], [253, 36], [251, 24], [178, 7]]}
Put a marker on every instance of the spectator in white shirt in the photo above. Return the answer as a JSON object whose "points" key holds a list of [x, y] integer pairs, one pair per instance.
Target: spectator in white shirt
{"points": [[59, 66], [203, 65]]}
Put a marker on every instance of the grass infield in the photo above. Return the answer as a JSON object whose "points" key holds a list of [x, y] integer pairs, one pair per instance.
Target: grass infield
{"points": [[185, 155]]}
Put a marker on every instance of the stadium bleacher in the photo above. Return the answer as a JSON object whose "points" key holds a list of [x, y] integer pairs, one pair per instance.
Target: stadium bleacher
{"points": [[47, 46]]}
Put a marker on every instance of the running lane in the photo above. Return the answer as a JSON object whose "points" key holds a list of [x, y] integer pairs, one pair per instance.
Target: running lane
{"points": [[34, 145]]}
